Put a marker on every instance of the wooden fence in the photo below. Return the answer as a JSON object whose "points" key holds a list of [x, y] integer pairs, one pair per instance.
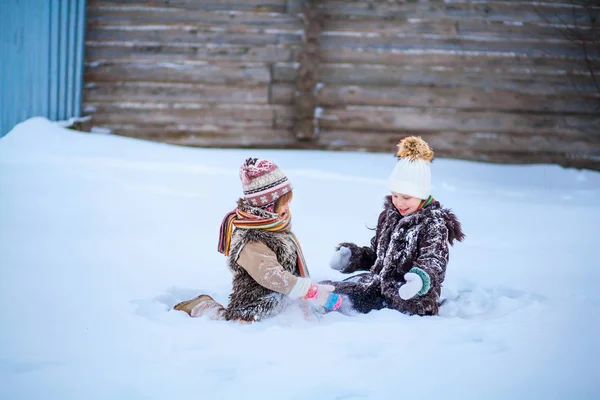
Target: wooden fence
{"points": [[501, 81]]}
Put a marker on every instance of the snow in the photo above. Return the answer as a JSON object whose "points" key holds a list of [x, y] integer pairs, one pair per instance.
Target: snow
{"points": [[100, 129], [272, 31], [101, 235], [74, 120], [175, 66], [352, 34]]}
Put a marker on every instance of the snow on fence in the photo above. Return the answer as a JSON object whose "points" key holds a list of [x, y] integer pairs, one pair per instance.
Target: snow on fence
{"points": [[502, 81]]}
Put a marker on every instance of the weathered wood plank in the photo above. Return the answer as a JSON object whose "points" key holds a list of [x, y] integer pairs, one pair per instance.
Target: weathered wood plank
{"points": [[272, 141], [294, 6], [388, 119], [145, 15], [475, 29], [445, 142], [415, 55], [245, 74], [372, 28], [246, 5], [181, 35], [178, 122], [490, 147], [170, 112], [424, 43], [489, 10], [166, 131], [464, 98], [132, 91], [450, 63], [523, 80], [433, 57], [187, 51], [546, 3], [490, 30]]}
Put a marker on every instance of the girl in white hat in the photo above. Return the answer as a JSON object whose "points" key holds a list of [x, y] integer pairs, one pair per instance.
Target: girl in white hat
{"points": [[408, 256]]}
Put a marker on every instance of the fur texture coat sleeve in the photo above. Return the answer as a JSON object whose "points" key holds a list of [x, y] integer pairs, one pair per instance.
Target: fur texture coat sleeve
{"points": [[361, 258], [261, 264], [432, 258], [433, 252]]}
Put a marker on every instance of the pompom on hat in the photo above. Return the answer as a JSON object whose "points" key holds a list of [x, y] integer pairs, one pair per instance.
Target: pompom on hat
{"points": [[411, 175], [263, 182]]}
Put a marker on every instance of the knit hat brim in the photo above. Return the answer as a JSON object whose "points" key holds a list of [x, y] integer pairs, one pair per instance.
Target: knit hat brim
{"points": [[409, 189], [411, 175], [268, 196]]}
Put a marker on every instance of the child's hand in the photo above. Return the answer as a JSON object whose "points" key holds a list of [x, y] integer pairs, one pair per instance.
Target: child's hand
{"points": [[307, 289], [340, 259], [412, 287], [323, 295]]}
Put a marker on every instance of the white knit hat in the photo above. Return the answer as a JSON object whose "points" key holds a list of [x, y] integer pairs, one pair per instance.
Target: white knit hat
{"points": [[411, 175]]}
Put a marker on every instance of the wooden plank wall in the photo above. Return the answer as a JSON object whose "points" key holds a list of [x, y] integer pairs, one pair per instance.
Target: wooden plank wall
{"points": [[480, 80]]}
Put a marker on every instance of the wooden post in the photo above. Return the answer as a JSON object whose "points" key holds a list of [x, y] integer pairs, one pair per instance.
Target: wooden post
{"points": [[306, 119]]}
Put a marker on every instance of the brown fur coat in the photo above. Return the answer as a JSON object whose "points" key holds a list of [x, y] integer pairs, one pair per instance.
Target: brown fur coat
{"points": [[249, 301], [419, 240]]}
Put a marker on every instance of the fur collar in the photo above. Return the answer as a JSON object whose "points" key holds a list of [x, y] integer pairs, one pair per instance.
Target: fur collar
{"points": [[432, 211]]}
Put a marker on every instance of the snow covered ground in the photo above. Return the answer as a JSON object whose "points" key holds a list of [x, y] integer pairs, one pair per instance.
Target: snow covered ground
{"points": [[100, 236]]}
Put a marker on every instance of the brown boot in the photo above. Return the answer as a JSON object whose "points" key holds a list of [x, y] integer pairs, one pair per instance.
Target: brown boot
{"points": [[200, 306]]}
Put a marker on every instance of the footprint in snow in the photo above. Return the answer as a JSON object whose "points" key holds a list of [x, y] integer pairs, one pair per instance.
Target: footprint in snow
{"points": [[487, 303]]}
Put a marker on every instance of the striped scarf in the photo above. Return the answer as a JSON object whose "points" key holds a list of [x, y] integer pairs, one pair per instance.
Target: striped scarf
{"points": [[425, 203], [245, 220]]}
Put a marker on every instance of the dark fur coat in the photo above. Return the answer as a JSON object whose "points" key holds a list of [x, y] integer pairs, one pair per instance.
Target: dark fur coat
{"points": [[419, 240], [249, 301]]}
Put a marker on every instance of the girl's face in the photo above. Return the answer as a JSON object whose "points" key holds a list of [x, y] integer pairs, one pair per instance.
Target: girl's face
{"points": [[284, 208], [405, 204]]}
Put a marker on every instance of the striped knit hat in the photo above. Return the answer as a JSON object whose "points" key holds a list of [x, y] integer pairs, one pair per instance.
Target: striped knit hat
{"points": [[263, 182]]}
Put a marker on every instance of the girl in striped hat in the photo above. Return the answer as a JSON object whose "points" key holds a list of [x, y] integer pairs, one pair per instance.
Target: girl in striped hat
{"points": [[263, 255]]}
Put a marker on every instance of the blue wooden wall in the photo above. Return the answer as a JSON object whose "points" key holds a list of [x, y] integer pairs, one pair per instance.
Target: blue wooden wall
{"points": [[41, 59]]}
